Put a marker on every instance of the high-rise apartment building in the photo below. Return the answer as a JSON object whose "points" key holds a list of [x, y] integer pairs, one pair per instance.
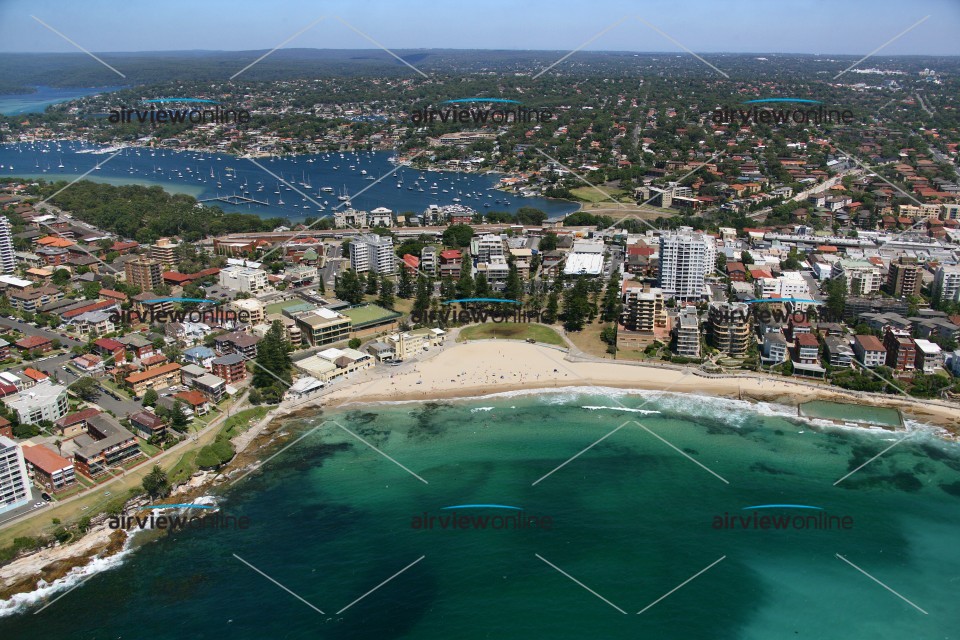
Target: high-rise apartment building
{"points": [[14, 483], [946, 284], [144, 273], [686, 257], [730, 327], [486, 247], [372, 253], [165, 252], [688, 333], [8, 261], [904, 277]]}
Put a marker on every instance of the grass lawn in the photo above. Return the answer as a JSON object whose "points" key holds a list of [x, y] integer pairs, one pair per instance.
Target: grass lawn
{"points": [[237, 424], [591, 194], [511, 331], [589, 341]]}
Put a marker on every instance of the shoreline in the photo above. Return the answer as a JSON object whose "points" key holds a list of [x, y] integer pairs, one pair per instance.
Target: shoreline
{"points": [[511, 368]]}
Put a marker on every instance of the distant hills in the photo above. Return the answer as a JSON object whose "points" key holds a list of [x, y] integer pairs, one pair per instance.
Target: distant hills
{"points": [[21, 71]]}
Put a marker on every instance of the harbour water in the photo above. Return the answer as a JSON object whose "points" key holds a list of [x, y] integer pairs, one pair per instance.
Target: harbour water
{"points": [[292, 187], [43, 97], [631, 519]]}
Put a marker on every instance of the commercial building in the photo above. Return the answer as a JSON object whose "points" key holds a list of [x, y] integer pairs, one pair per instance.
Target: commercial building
{"points": [[144, 273], [729, 324], [904, 277], [48, 469], [373, 253], [43, 401], [243, 279], [405, 345], [14, 482], [331, 364], [323, 326], [686, 257]]}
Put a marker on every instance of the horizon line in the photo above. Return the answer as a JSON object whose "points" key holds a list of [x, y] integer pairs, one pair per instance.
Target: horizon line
{"points": [[661, 52]]}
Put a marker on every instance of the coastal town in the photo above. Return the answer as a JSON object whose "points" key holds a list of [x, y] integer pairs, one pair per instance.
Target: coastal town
{"points": [[179, 297]]}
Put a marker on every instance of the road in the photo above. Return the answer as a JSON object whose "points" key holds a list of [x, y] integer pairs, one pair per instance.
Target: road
{"points": [[23, 327]]}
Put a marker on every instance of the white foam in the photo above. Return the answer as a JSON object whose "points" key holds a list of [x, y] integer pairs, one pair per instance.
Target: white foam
{"points": [[19, 602], [476, 409], [627, 409]]}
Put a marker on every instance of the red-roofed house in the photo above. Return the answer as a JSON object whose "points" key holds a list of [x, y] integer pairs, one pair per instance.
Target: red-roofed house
{"points": [[48, 469], [451, 261], [737, 271], [411, 263], [108, 347], [34, 343], [73, 424], [33, 374], [197, 401]]}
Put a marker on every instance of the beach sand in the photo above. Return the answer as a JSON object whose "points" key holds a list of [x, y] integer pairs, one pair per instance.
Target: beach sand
{"points": [[492, 366]]}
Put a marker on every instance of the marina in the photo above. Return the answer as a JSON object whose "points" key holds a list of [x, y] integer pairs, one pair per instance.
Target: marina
{"points": [[291, 187]]}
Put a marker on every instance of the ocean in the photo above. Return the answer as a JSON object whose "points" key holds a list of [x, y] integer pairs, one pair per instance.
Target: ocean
{"points": [[212, 175], [654, 518]]}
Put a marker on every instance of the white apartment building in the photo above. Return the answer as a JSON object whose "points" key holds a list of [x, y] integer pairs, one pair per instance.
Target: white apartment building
{"points": [[862, 277], [43, 401], [372, 253], [253, 308], [486, 247], [14, 482], [686, 257], [946, 283], [8, 259], [245, 279]]}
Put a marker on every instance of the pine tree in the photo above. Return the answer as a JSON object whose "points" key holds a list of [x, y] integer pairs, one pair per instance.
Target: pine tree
{"points": [[405, 285], [386, 294], [465, 285]]}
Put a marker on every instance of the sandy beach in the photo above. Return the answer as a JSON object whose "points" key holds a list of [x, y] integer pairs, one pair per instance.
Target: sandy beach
{"points": [[492, 366]]}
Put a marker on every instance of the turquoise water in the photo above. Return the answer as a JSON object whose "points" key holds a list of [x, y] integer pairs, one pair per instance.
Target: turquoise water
{"points": [[43, 97], [632, 519]]}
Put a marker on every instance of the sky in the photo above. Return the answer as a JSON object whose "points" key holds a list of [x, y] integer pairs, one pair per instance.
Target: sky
{"points": [[851, 27]]}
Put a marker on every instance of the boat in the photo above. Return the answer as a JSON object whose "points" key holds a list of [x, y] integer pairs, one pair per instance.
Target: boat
{"points": [[363, 172], [344, 197]]}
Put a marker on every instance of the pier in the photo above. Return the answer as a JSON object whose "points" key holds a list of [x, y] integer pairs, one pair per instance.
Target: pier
{"points": [[235, 200]]}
